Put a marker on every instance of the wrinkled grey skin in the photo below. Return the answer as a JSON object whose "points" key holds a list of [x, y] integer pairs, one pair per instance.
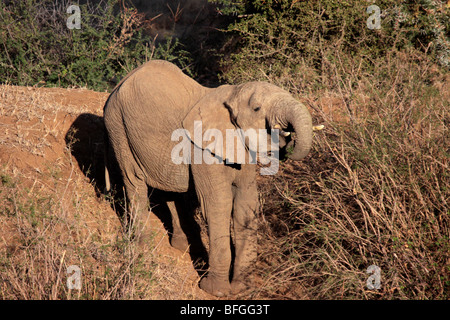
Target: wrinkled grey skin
{"points": [[140, 116]]}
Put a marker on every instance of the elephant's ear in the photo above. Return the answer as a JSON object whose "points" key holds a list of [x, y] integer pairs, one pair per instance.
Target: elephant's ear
{"points": [[209, 122]]}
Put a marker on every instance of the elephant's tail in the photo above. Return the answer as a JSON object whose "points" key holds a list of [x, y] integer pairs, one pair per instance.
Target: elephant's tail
{"points": [[107, 181], [105, 158]]}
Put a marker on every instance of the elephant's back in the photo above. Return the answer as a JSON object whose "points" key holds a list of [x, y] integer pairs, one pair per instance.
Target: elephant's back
{"points": [[158, 87], [151, 103]]}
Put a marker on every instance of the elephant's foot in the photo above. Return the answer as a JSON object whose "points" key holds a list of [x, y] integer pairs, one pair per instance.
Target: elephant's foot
{"points": [[180, 242], [242, 283], [214, 286], [238, 287]]}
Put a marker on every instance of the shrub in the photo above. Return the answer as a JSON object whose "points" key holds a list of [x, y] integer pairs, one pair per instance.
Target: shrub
{"points": [[294, 42], [39, 49], [375, 188]]}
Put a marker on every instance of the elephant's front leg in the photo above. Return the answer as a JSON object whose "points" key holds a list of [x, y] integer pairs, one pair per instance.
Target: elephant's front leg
{"points": [[218, 215], [245, 225], [216, 198]]}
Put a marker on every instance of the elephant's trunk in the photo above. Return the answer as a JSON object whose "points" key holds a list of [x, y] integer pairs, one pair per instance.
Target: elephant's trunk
{"points": [[296, 115]]}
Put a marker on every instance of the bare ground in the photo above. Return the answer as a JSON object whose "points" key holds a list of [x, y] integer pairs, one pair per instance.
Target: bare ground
{"points": [[53, 214]]}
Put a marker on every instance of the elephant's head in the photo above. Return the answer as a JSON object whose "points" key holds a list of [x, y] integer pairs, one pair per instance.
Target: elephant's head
{"points": [[254, 105]]}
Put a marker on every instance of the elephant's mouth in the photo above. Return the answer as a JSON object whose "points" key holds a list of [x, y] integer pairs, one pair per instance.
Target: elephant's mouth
{"points": [[282, 132], [285, 130], [286, 134]]}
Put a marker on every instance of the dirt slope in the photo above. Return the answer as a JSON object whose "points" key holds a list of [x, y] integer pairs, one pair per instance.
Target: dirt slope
{"points": [[53, 214]]}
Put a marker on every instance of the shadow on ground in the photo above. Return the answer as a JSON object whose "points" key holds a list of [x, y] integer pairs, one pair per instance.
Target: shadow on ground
{"points": [[86, 141]]}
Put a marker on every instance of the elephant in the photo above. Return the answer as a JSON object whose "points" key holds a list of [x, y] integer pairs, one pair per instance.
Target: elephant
{"points": [[140, 116]]}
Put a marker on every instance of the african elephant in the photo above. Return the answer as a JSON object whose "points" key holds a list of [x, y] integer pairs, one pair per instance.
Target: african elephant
{"points": [[140, 116]]}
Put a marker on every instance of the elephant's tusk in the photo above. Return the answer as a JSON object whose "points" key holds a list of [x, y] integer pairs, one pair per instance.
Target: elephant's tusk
{"points": [[318, 128], [283, 133]]}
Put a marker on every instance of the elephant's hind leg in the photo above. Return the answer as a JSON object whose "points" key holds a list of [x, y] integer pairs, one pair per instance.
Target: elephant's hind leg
{"points": [[178, 239], [185, 230], [135, 187], [137, 208]]}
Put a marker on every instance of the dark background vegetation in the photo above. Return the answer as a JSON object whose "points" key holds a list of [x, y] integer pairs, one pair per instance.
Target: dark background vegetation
{"points": [[375, 187]]}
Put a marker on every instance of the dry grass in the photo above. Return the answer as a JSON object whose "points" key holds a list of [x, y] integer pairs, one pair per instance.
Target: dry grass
{"points": [[374, 190], [53, 216]]}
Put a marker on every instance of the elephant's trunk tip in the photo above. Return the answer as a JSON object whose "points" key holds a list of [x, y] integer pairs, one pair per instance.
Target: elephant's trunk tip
{"points": [[299, 155]]}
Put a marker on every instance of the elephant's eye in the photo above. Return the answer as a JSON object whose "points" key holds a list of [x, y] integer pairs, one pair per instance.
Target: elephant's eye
{"points": [[257, 109]]}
